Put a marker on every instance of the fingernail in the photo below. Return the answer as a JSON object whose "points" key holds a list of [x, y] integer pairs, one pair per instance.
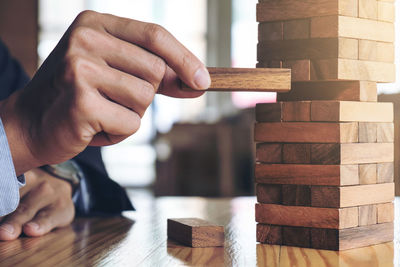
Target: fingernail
{"points": [[8, 228], [202, 78], [33, 225]]}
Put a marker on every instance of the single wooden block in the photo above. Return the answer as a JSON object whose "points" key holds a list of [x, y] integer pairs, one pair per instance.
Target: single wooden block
{"points": [[385, 133], [356, 153], [375, 51], [296, 195], [306, 132], [248, 79], [344, 111], [283, 111], [386, 11], [270, 31], [296, 29], [196, 232], [367, 132], [307, 216], [269, 234], [269, 193], [343, 239], [331, 90], [303, 174], [296, 236], [288, 10], [385, 172], [269, 112], [368, 9], [351, 27], [385, 212], [269, 153], [350, 69], [351, 196], [368, 173], [311, 49], [367, 215], [296, 153], [301, 69]]}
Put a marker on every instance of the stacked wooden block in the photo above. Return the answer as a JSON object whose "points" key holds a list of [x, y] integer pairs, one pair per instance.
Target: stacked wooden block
{"points": [[324, 170]]}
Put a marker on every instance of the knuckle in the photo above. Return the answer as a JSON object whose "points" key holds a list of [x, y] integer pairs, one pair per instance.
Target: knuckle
{"points": [[75, 70], [154, 34], [148, 93], [86, 16], [81, 37], [159, 68], [46, 189]]}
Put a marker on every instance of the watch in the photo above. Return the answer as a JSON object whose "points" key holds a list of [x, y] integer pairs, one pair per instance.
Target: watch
{"points": [[68, 171]]}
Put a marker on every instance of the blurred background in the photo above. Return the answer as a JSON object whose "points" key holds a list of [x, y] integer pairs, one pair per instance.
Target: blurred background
{"points": [[200, 146]]}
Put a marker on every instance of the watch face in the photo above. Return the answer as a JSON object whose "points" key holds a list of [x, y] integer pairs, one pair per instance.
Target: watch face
{"points": [[67, 170]]}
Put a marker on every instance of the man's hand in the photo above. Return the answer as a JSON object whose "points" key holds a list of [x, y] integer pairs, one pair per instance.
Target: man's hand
{"points": [[45, 204], [94, 88]]}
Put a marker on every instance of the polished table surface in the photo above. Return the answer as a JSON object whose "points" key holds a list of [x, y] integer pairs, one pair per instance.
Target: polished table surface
{"points": [[139, 239]]}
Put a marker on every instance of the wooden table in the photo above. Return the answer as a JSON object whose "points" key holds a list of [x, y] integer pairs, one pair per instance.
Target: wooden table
{"points": [[139, 239]]}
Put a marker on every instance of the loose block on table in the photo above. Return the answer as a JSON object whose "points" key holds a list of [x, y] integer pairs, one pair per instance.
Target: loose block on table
{"points": [[306, 132], [248, 79], [331, 90], [351, 196], [332, 218], [304, 174], [195, 232]]}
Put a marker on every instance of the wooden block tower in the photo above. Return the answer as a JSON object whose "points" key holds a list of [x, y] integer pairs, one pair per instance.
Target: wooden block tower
{"points": [[324, 171]]}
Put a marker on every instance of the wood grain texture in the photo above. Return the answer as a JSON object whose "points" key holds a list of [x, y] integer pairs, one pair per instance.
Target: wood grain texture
{"points": [[350, 69], [333, 239], [367, 132], [296, 236], [296, 29], [270, 31], [303, 174], [385, 172], [283, 111], [296, 195], [242, 79], [307, 216], [368, 173], [269, 112], [351, 27], [331, 90], [351, 196], [325, 154], [296, 153], [385, 212], [375, 51], [269, 234], [385, 133], [195, 232], [269, 153], [346, 111], [269, 193], [303, 132], [288, 10], [367, 215], [386, 11], [368, 9], [301, 69]]}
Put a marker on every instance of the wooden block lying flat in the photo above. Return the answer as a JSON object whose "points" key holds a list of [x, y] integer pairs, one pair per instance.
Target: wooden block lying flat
{"points": [[307, 216], [270, 31], [302, 174], [368, 173], [301, 69], [296, 236], [296, 29], [386, 11], [385, 172], [328, 90], [350, 27], [385, 133], [368, 9], [288, 10], [250, 79], [343, 239], [269, 153], [375, 51], [296, 195], [269, 193], [385, 212], [356, 153], [350, 69], [269, 234], [296, 153], [367, 132], [283, 111], [344, 111], [351, 196], [195, 232], [317, 48], [305, 132], [367, 215]]}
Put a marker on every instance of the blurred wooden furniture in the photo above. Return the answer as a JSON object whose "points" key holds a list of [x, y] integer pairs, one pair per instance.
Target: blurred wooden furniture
{"points": [[140, 239]]}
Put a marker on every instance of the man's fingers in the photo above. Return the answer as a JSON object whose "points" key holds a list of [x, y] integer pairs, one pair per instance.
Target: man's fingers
{"points": [[159, 41], [11, 226], [171, 86], [49, 219]]}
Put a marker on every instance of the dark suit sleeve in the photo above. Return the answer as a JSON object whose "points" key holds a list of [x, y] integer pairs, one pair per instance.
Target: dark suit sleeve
{"points": [[105, 196]]}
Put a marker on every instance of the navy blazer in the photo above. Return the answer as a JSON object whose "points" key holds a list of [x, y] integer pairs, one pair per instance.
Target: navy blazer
{"points": [[106, 196]]}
